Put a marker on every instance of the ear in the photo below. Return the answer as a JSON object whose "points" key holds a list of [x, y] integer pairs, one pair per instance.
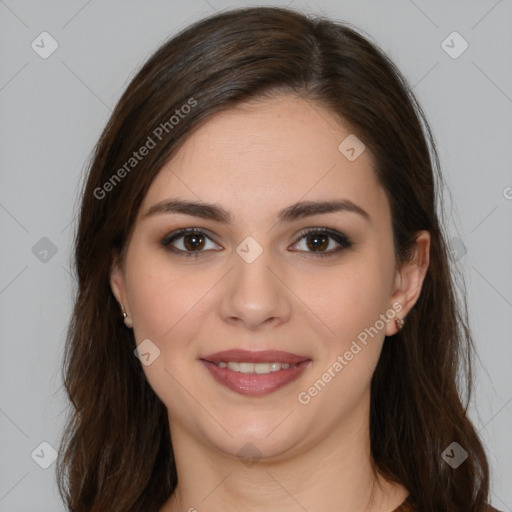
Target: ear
{"points": [[117, 283], [409, 279]]}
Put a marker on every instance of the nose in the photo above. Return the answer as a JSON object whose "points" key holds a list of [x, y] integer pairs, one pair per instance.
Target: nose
{"points": [[254, 296]]}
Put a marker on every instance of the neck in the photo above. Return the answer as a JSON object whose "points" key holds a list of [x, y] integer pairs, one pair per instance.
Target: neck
{"points": [[336, 474]]}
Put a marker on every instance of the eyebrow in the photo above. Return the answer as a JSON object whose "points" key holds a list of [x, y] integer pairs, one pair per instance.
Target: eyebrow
{"points": [[289, 214]]}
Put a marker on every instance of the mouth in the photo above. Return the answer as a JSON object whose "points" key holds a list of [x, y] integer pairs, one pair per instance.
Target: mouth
{"points": [[255, 373]]}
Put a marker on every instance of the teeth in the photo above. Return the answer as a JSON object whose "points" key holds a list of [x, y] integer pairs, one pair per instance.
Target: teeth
{"points": [[262, 368], [246, 367], [259, 368]]}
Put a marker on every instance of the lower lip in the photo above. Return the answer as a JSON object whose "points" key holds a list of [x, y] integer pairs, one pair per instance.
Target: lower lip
{"points": [[255, 384]]}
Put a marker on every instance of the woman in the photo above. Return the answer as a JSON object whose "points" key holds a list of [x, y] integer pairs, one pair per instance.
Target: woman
{"points": [[261, 208]]}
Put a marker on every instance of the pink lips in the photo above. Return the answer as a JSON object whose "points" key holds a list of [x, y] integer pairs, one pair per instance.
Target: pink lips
{"points": [[253, 383]]}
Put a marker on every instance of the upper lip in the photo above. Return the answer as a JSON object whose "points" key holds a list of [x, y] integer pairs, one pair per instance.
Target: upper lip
{"points": [[248, 356]]}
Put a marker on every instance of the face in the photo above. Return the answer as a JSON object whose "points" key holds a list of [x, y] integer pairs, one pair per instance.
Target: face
{"points": [[269, 318]]}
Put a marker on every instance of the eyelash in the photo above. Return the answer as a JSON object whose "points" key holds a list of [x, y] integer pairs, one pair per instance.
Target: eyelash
{"points": [[340, 238]]}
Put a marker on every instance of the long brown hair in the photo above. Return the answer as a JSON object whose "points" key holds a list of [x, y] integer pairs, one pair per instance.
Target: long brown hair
{"points": [[116, 452]]}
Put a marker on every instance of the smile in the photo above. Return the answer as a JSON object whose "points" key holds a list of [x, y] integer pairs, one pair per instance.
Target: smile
{"points": [[255, 373], [259, 368]]}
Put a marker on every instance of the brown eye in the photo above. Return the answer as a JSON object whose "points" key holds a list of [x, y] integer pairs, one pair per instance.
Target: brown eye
{"points": [[194, 242], [317, 242], [322, 242], [189, 242]]}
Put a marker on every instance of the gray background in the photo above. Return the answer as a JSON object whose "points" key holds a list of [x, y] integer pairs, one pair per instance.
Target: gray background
{"points": [[53, 110]]}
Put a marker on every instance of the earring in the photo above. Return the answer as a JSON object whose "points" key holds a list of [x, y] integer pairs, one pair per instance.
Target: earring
{"points": [[399, 323], [127, 320]]}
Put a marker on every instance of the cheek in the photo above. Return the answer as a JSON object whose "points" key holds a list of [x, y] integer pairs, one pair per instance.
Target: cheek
{"points": [[351, 304], [162, 296], [166, 304], [349, 298]]}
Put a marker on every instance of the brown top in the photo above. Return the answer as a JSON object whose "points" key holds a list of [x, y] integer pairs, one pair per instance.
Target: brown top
{"points": [[407, 506]]}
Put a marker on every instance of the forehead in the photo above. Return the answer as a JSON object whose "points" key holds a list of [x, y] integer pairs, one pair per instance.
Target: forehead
{"points": [[265, 154]]}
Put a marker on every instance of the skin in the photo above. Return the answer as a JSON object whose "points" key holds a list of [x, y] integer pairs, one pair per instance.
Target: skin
{"points": [[254, 160]]}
